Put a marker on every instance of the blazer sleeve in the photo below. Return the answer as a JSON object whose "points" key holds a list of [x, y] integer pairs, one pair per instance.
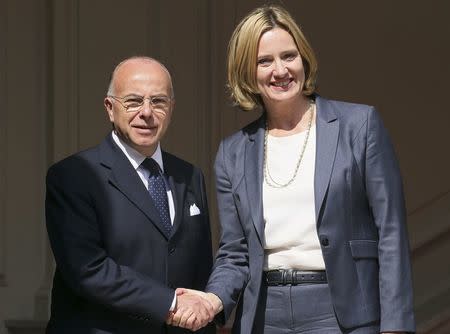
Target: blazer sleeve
{"points": [[385, 196], [76, 240], [204, 264], [231, 268]]}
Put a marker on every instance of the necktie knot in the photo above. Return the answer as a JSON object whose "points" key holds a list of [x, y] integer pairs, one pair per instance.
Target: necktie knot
{"points": [[152, 166]]}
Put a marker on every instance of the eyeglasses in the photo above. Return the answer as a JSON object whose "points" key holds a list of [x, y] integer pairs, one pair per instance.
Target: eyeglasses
{"points": [[136, 103]]}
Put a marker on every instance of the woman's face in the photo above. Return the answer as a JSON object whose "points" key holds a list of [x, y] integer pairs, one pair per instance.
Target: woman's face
{"points": [[280, 74]]}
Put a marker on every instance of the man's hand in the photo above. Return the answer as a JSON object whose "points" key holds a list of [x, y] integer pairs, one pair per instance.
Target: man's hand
{"points": [[193, 311], [213, 299]]}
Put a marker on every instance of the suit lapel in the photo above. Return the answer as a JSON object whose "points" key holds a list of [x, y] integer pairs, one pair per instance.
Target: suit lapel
{"points": [[125, 178], [178, 189], [327, 127], [254, 151]]}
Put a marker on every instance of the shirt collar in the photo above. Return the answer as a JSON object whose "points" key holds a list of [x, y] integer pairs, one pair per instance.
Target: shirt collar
{"points": [[134, 156]]}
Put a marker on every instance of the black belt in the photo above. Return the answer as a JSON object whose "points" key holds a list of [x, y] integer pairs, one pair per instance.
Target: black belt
{"points": [[294, 277]]}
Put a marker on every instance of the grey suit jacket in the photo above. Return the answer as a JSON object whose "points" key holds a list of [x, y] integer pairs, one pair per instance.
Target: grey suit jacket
{"points": [[360, 216]]}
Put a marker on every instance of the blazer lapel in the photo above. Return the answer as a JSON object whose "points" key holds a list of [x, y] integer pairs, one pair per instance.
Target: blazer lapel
{"points": [[254, 151], [125, 178], [327, 127]]}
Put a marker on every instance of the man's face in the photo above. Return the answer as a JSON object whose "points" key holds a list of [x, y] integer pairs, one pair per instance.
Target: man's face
{"points": [[141, 129]]}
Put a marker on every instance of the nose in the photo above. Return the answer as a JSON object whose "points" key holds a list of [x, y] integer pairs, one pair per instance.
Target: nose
{"points": [[146, 109], [280, 69]]}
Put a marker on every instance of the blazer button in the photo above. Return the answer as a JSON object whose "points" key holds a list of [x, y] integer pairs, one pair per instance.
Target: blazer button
{"points": [[325, 242], [171, 250]]}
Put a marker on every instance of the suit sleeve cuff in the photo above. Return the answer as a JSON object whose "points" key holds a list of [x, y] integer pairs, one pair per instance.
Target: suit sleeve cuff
{"points": [[174, 303]]}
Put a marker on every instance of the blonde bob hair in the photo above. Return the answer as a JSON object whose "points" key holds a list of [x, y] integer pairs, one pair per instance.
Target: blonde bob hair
{"points": [[243, 54]]}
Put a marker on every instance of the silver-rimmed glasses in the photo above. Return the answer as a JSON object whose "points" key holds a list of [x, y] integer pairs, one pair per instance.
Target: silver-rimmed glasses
{"points": [[134, 103]]}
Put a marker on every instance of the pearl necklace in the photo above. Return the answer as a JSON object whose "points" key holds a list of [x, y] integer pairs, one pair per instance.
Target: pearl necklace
{"points": [[267, 177]]}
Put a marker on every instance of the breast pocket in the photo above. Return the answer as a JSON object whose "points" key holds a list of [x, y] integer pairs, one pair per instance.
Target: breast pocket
{"points": [[193, 214]]}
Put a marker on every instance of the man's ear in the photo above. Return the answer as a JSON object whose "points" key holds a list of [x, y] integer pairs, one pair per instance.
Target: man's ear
{"points": [[109, 108]]}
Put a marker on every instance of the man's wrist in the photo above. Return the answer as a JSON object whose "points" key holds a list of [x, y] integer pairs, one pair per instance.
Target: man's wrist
{"points": [[216, 301]]}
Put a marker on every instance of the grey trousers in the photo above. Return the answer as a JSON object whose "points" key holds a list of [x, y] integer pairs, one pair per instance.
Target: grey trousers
{"points": [[301, 309]]}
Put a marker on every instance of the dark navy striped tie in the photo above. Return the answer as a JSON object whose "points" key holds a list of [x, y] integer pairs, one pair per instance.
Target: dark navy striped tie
{"points": [[158, 192]]}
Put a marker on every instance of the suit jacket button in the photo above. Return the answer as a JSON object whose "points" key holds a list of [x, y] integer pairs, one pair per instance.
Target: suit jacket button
{"points": [[172, 250], [325, 242]]}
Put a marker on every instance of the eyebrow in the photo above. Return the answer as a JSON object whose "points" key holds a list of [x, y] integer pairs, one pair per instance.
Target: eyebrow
{"points": [[282, 52], [133, 95], [291, 51]]}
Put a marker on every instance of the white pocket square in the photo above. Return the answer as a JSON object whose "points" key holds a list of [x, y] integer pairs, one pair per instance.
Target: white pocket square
{"points": [[194, 210]]}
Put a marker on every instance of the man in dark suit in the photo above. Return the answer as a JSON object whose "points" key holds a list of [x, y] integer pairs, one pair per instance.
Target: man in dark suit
{"points": [[127, 222]]}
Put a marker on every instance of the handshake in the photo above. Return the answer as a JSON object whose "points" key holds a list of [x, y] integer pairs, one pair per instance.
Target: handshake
{"points": [[194, 309]]}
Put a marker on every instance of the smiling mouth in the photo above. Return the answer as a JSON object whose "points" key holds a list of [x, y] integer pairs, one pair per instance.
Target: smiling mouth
{"points": [[282, 84], [146, 128]]}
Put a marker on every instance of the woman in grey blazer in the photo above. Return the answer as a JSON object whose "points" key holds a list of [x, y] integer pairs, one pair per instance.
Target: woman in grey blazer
{"points": [[310, 199]]}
